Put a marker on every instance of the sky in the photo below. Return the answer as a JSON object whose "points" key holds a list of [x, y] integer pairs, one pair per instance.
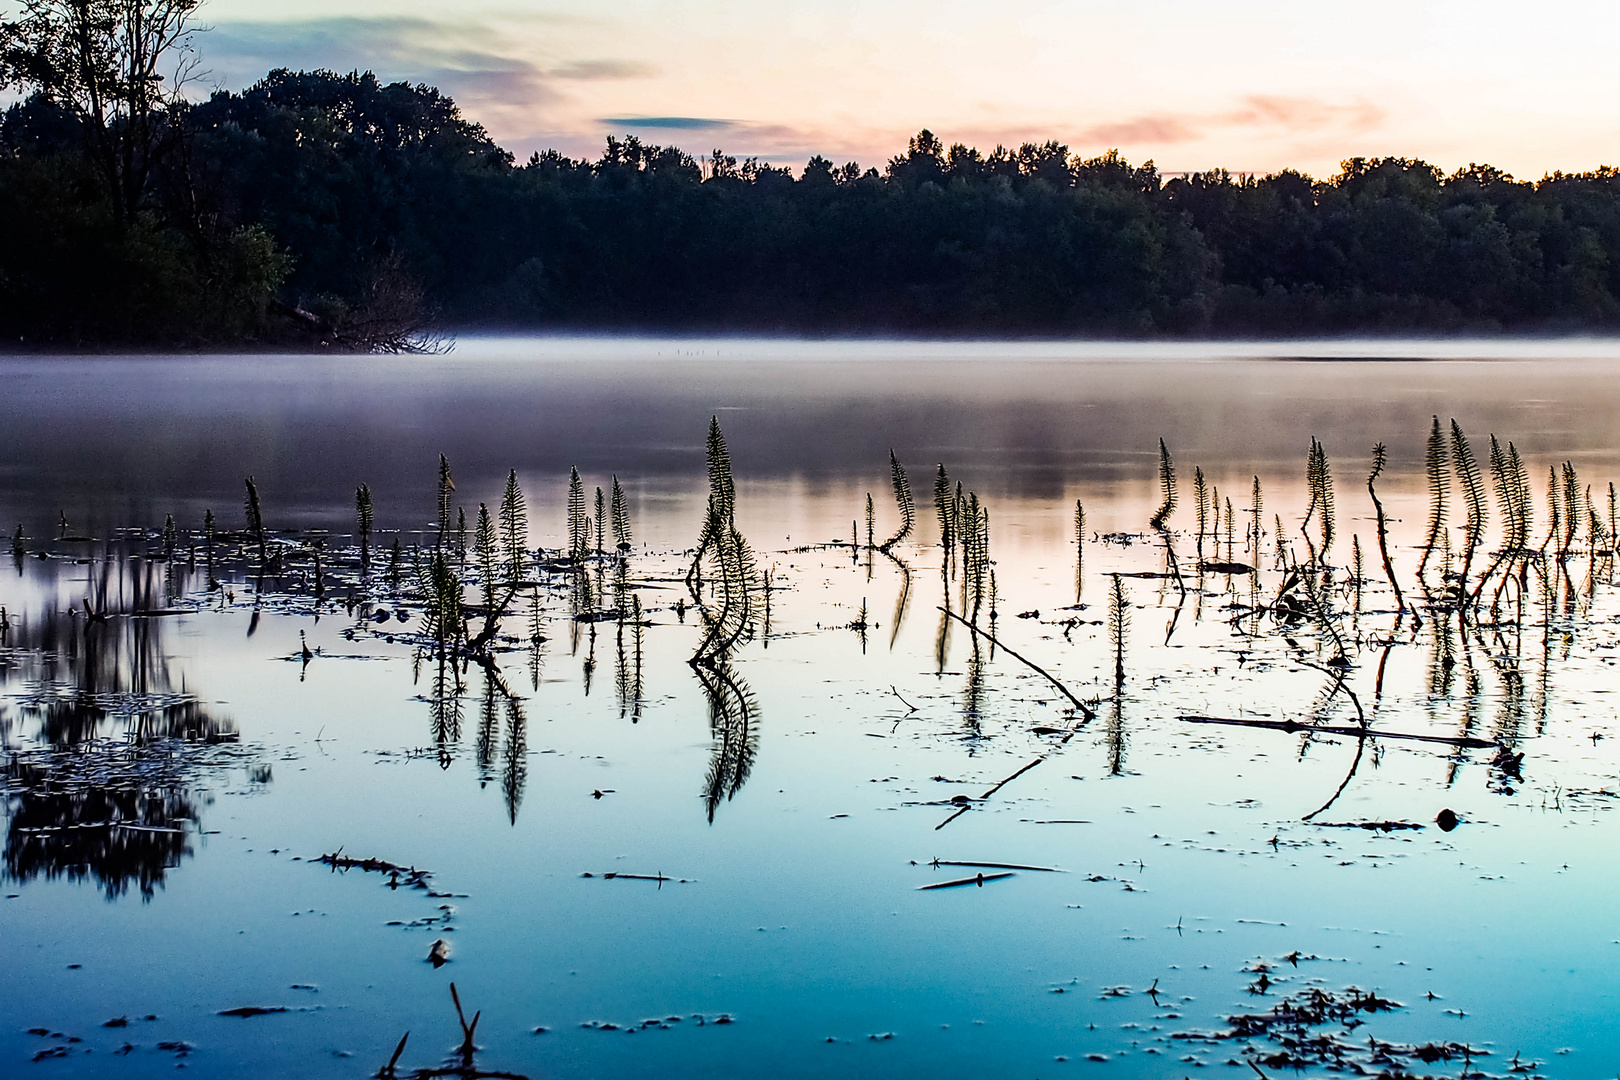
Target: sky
{"points": [[1246, 85]]}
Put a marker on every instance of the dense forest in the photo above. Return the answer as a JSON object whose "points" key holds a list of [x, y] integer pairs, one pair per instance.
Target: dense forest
{"points": [[323, 208]]}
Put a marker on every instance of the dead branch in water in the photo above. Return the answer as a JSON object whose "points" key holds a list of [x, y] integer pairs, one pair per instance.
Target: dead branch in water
{"points": [[976, 879], [1085, 710], [1358, 732]]}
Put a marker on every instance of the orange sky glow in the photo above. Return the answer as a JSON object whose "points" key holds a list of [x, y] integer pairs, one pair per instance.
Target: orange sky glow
{"points": [[1248, 85]]}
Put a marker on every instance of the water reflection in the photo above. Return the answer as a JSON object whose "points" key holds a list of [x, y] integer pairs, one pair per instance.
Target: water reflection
{"points": [[734, 727], [105, 756]]}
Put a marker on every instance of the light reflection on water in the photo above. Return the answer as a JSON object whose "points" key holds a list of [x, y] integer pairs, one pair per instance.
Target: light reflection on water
{"points": [[797, 788]]}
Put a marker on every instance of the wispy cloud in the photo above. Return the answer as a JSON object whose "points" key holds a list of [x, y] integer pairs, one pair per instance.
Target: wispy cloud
{"points": [[469, 61], [1277, 114], [676, 123], [596, 70]]}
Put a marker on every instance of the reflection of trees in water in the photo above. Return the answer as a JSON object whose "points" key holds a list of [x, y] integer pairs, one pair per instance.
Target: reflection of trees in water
{"points": [[107, 793], [734, 724], [118, 829]]}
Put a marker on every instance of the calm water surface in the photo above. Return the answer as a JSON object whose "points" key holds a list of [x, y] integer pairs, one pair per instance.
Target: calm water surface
{"points": [[171, 778]]}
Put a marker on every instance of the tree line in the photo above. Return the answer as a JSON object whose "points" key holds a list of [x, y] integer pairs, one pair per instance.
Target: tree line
{"points": [[334, 209]]}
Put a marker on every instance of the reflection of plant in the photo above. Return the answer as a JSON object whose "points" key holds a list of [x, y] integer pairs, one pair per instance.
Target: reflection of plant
{"points": [[734, 726]]}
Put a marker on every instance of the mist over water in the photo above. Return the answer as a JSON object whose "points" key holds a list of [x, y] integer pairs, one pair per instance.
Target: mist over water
{"points": [[177, 756]]}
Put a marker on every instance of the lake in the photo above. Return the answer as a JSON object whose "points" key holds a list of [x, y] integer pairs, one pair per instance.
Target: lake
{"points": [[1236, 807]]}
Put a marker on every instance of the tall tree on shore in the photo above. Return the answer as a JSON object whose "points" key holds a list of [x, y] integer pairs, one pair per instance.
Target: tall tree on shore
{"points": [[119, 67]]}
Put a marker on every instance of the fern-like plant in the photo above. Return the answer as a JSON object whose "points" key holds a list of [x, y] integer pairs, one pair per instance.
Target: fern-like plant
{"points": [[1434, 464], [514, 529], [1167, 489], [1256, 509], [1201, 495], [447, 487], [1380, 459], [732, 621], [1473, 489], [902, 498], [945, 510], [1572, 508], [363, 520], [255, 521], [1079, 548], [578, 531], [1320, 481], [486, 552], [1119, 620], [600, 521], [621, 520]]}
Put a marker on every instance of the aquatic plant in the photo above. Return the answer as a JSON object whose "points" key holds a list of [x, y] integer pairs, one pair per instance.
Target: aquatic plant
{"points": [[442, 599], [255, 522], [1256, 508], [1434, 465], [621, 520], [447, 487], [902, 498], [1167, 489], [514, 529], [1119, 620], [1473, 489], [1231, 531], [484, 548], [363, 521], [1320, 482], [1572, 508], [975, 559], [578, 524], [1201, 498], [599, 521], [945, 510], [1079, 548], [1380, 459], [732, 560]]}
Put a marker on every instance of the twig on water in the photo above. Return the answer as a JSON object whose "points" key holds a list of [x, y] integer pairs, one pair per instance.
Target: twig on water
{"points": [[1085, 710], [1359, 732], [976, 879]]}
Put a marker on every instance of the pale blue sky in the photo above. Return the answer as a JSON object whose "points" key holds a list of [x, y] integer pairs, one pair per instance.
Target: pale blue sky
{"points": [[1244, 84]]}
